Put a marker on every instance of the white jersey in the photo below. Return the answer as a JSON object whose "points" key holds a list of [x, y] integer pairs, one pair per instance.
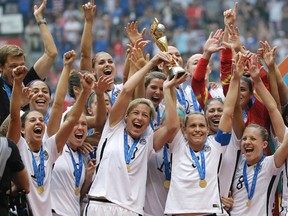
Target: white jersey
{"points": [[185, 192], [156, 193], [113, 94], [64, 200], [217, 93], [192, 100], [182, 99], [40, 203], [112, 180], [229, 165], [264, 195], [65, 113], [157, 120]]}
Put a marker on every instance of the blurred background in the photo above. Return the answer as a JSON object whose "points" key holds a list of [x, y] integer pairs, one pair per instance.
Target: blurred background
{"points": [[188, 24]]}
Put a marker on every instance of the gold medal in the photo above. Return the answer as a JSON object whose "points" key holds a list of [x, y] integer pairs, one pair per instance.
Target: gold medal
{"points": [[248, 203], [167, 184], [77, 191], [128, 167], [202, 183], [40, 189]]}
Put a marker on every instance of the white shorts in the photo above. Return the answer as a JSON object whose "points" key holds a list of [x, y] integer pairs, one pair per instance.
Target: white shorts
{"points": [[97, 208]]}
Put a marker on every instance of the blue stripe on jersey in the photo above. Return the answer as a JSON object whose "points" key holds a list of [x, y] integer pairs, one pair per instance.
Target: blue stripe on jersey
{"points": [[223, 137]]}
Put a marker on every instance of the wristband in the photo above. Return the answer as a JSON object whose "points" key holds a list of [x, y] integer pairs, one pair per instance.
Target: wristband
{"points": [[41, 21]]}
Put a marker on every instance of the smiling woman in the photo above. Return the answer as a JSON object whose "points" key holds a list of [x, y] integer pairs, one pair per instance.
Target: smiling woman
{"points": [[196, 159], [39, 154], [123, 151], [257, 175], [39, 97]]}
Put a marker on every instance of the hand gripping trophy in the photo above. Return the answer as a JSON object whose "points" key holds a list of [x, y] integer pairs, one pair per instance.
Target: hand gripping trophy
{"points": [[157, 31]]}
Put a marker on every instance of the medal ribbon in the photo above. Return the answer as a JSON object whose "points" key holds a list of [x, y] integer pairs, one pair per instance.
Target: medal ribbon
{"points": [[251, 192], [201, 169], [39, 173], [166, 163], [158, 120], [181, 98], [128, 153], [47, 116], [194, 101], [113, 98], [77, 172]]}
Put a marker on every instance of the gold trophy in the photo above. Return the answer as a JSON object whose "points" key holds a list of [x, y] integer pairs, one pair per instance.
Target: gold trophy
{"points": [[157, 31]]}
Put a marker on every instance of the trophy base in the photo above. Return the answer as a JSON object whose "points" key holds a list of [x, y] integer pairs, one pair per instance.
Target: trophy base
{"points": [[176, 70]]}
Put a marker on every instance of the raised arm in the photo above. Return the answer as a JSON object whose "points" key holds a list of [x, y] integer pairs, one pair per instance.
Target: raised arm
{"points": [[269, 59], [198, 81], [61, 90], [269, 102], [281, 153], [238, 121], [169, 129], [98, 121], [133, 35], [119, 108], [86, 40], [44, 63], [282, 88], [87, 81], [225, 123], [231, 41], [14, 129], [137, 62]]}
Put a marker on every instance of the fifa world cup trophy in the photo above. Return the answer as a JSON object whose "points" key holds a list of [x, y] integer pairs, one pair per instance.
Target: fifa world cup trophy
{"points": [[157, 31]]}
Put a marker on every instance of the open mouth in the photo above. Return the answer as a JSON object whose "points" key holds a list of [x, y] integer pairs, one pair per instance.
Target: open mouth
{"points": [[40, 101], [247, 74], [79, 136], [155, 99], [107, 72], [137, 125], [215, 121], [248, 150], [37, 130]]}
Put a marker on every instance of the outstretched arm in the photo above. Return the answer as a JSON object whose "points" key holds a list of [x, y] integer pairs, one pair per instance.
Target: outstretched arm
{"points": [[86, 40], [269, 102], [282, 88], [87, 81], [169, 129], [57, 107], [14, 129], [119, 108], [133, 36], [198, 81], [137, 62], [232, 43], [281, 153], [269, 59], [232, 95], [44, 63], [98, 121]]}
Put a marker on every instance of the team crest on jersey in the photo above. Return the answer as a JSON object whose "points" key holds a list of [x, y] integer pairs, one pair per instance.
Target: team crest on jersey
{"points": [[142, 141], [117, 92], [46, 155], [207, 148]]}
